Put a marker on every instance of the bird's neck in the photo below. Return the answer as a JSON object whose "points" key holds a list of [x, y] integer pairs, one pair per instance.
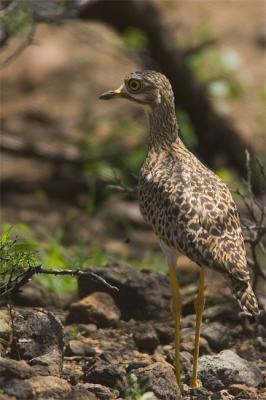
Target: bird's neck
{"points": [[163, 127]]}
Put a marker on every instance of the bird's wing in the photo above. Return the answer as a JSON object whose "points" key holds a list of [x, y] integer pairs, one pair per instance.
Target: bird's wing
{"points": [[208, 226]]}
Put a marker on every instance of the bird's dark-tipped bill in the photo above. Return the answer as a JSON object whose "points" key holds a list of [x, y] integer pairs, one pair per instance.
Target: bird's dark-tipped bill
{"points": [[108, 95]]}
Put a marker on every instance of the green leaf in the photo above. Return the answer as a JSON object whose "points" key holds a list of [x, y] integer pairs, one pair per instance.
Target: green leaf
{"points": [[6, 236]]}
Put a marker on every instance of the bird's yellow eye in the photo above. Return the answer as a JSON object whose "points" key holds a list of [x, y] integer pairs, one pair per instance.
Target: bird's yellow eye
{"points": [[134, 85]]}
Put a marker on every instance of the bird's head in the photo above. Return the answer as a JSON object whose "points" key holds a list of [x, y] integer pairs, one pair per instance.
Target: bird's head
{"points": [[147, 88]]}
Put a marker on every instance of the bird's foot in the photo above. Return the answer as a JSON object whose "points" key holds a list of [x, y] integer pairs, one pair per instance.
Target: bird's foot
{"points": [[196, 384]]}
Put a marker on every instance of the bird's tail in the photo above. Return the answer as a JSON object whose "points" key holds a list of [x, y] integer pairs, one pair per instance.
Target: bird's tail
{"points": [[245, 296]]}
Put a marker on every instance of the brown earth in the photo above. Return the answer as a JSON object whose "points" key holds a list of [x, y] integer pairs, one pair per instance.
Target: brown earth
{"points": [[107, 340]]}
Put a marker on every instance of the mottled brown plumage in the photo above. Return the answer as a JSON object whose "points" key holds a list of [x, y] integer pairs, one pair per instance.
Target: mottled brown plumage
{"points": [[189, 208]]}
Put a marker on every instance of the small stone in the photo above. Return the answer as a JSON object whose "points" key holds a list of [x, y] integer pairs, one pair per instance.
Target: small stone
{"points": [[18, 388], [188, 342], [101, 392], [165, 333], [222, 395], [15, 369], [79, 392], [101, 372], [5, 326], [87, 329], [98, 308], [199, 393], [79, 348], [186, 358], [49, 387], [220, 336], [6, 397], [260, 343], [159, 378], [73, 370], [226, 368], [242, 391], [138, 360], [146, 338]]}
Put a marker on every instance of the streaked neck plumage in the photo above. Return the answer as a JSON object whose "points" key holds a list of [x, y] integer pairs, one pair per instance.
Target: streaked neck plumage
{"points": [[163, 127]]}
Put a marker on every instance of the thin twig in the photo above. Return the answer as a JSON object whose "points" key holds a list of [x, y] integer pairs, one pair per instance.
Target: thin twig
{"points": [[122, 188], [255, 226], [261, 168]]}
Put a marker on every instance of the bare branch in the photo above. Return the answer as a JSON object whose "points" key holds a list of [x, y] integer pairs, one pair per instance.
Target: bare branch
{"points": [[255, 227], [13, 285]]}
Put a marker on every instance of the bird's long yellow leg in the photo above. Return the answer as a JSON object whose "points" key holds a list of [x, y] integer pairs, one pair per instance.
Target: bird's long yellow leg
{"points": [[177, 315], [199, 310]]}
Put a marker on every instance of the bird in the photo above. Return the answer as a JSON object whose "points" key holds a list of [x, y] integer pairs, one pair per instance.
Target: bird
{"points": [[189, 207]]}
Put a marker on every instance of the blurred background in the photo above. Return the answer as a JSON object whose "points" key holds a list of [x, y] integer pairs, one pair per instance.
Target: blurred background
{"points": [[63, 150]]}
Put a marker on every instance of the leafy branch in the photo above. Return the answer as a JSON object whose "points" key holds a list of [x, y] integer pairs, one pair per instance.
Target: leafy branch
{"points": [[18, 264]]}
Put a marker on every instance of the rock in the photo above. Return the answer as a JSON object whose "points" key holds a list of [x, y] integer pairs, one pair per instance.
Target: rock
{"points": [[102, 372], [6, 397], [101, 392], [188, 341], [219, 371], [220, 336], [49, 387], [79, 348], [98, 308], [199, 393], [142, 295], [137, 360], [242, 391], [18, 388], [39, 339], [260, 343], [159, 378], [165, 332], [86, 329], [79, 392], [73, 370], [186, 359], [222, 395], [146, 338], [33, 295], [221, 312], [5, 330], [15, 369]]}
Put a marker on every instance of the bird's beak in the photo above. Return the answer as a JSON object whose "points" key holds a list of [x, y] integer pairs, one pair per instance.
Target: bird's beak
{"points": [[112, 93]]}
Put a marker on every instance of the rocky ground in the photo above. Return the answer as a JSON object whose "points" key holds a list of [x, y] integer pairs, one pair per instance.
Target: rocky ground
{"points": [[117, 344]]}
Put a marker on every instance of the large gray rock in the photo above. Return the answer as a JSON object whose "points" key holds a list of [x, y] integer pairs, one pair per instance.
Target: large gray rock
{"points": [[38, 339], [226, 368], [142, 295]]}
